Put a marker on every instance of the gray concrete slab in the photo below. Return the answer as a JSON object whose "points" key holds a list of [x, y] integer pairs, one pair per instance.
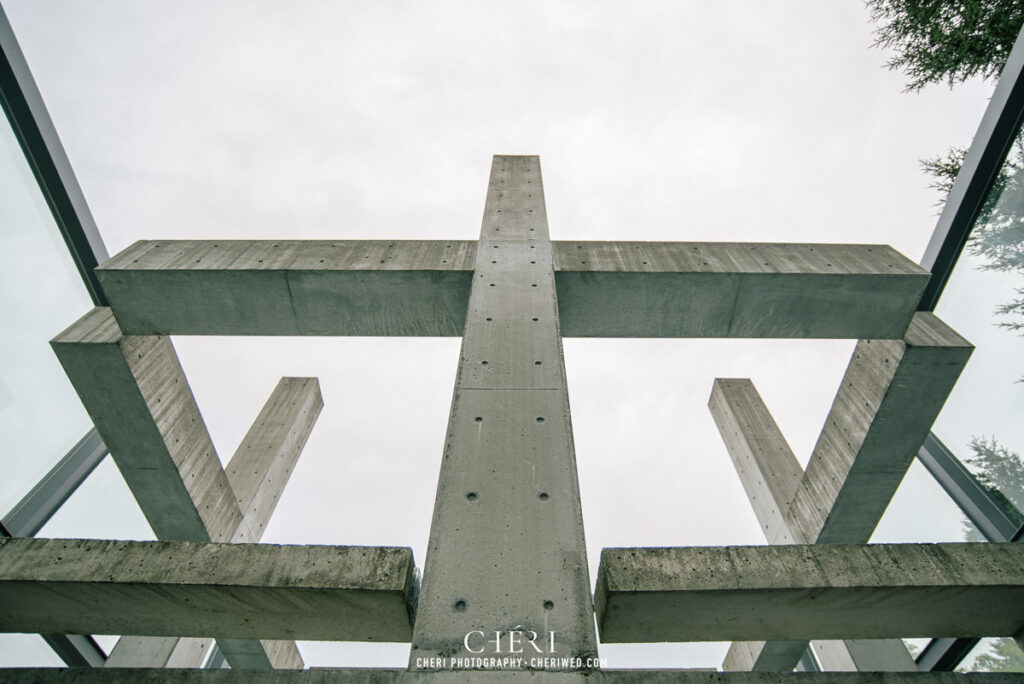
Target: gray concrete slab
{"points": [[373, 676], [344, 593], [605, 289], [826, 591], [506, 549], [770, 474]]}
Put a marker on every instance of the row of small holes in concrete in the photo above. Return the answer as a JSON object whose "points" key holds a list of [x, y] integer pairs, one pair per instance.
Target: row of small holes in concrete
{"points": [[473, 496], [534, 319], [535, 363], [480, 419], [461, 605]]}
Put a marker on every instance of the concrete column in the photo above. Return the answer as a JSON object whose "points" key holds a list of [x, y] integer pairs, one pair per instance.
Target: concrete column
{"points": [[770, 474], [768, 470], [891, 394], [258, 473], [265, 459], [506, 545], [136, 393], [889, 397]]}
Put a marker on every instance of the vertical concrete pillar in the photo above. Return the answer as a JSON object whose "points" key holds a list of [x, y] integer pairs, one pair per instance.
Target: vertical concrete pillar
{"points": [[506, 547]]}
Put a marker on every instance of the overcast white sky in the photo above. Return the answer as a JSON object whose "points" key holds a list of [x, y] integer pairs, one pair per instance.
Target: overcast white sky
{"points": [[692, 120]]}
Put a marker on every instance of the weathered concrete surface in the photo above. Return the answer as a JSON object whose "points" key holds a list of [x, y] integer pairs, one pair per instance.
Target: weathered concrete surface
{"points": [[133, 651], [815, 591], [506, 546], [768, 470], [770, 475], [888, 400], [260, 468], [688, 289], [258, 472], [343, 593], [370, 676], [137, 396], [288, 287], [418, 287]]}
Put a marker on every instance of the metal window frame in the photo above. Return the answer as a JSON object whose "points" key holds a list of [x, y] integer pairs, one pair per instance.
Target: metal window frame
{"points": [[33, 511], [996, 134], [993, 140], [29, 120], [31, 123]]}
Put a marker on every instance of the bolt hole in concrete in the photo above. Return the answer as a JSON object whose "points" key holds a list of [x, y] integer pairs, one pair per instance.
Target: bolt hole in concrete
{"points": [[537, 363], [459, 606], [479, 419], [483, 363], [548, 605], [543, 496], [472, 496], [540, 419]]}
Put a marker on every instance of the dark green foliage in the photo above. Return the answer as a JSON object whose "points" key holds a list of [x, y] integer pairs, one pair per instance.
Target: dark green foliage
{"points": [[1001, 471], [1003, 656], [939, 41]]}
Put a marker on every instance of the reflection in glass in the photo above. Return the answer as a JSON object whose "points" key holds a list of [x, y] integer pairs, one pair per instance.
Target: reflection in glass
{"points": [[41, 417], [903, 522], [984, 301], [994, 655]]}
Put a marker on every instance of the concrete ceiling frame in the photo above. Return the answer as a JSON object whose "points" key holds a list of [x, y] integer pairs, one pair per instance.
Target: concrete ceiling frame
{"points": [[510, 396]]}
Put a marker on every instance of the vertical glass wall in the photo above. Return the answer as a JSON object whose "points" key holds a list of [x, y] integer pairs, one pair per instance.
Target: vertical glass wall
{"points": [[984, 301], [41, 417]]}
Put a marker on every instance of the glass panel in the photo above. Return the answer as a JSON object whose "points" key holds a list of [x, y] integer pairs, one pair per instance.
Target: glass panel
{"points": [[102, 508], [922, 512], [994, 655], [41, 417], [984, 301], [26, 650]]}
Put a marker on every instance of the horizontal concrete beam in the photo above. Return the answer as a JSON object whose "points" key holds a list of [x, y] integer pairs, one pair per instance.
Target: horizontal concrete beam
{"points": [[810, 592], [333, 593], [372, 676], [421, 288]]}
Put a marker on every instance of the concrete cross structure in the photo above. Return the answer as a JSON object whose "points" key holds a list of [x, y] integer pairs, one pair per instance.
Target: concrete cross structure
{"points": [[505, 584]]}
